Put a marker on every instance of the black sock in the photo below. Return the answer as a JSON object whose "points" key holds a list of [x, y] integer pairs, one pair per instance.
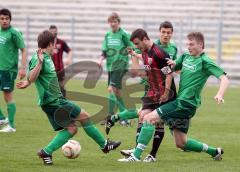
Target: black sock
{"points": [[157, 140], [139, 127]]}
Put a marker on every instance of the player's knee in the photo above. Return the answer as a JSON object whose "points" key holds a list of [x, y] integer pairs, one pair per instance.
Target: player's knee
{"points": [[8, 97], [83, 116], [110, 89], [73, 129], [148, 119]]}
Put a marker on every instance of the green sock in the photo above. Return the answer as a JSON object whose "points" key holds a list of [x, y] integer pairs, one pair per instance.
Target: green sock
{"points": [[1, 115], [11, 108], [121, 105], [125, 115], [111, 103], [60, 139], [196, 146], [128, 114], [144, 138], [95, 134]]}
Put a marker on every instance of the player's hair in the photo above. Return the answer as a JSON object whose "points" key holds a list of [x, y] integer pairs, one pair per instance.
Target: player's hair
{"points": [[6, 12], [198, 36], [53, 27], [114, 16], [45, 38], [140, 34], [166, 24]]}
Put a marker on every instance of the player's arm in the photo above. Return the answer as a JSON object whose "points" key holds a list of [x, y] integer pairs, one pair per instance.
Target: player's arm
{"points": [[166, 70], [224, 82], [168, 83], [69, 53], [22, 70], [34, 73]]}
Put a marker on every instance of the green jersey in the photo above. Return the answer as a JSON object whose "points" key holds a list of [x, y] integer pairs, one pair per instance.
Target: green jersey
{"points": [[11, 40], [114, 49], [47, 82], [194, 74], [171, 49]]}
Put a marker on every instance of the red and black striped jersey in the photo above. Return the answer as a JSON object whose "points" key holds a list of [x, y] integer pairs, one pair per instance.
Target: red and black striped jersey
{"points": [[154, 60], [59, 47]]}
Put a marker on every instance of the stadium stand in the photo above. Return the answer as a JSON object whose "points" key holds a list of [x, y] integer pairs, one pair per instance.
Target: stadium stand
{"points": [[84, 23]]}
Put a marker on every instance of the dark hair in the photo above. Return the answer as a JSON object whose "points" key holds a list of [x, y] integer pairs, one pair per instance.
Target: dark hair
{"points": [[198, 36], [44, 39], [166, 24], [6, 12], [140, 34], [114, 16], [53, 27]]}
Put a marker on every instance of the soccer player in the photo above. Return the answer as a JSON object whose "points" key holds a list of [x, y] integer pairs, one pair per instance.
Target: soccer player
{"points": [[195, 68], [11, 40], [42, 73], [60, 46], [161, 87], [114, 51], [164, 41]]}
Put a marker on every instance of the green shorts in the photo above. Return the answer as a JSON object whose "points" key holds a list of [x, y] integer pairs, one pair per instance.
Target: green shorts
{"points": [[7, 80], [177, 114], [115, 78], [62, 115]]}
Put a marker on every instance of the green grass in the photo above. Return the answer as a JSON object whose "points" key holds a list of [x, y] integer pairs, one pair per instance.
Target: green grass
{"points": [[213, 124]]}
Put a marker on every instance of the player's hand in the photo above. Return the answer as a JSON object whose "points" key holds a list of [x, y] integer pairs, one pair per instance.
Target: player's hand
{"points": [[171, 63], [164, 97], [40, 55], [22, 84], [130, 51], [22, 73], [219, 99], [100, 61]]}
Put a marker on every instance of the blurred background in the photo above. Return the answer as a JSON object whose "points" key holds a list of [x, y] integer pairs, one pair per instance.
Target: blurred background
{"points": [[83, 23]]}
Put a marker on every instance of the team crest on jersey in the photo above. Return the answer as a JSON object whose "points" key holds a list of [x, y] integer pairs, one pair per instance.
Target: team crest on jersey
{"points": [[150, 61], [147, 67]]}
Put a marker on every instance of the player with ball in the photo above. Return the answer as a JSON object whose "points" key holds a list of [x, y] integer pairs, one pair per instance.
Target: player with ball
{"points": [[52, 102]]}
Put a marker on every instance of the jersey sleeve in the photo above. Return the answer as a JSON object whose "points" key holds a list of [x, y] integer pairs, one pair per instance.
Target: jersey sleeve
{"points": [[104, 44], [212, 68], [161, 57], [178, 62], [126, 40], [33, 62], [175, 54], [18, 39], [66, 47]]}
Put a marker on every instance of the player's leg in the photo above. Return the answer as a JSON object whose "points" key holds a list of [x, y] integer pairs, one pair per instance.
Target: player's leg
{"points": [[177, 115], [157, 140], [95, 134], [61, 77], [125, 115], [8, 87], [190, 144], [145, 136], [64, 134], [117, 79]]}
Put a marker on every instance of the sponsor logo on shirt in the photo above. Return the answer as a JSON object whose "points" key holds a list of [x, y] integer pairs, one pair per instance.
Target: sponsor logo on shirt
{"points": [[189, 66], [113, 41], [3, 40]]}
